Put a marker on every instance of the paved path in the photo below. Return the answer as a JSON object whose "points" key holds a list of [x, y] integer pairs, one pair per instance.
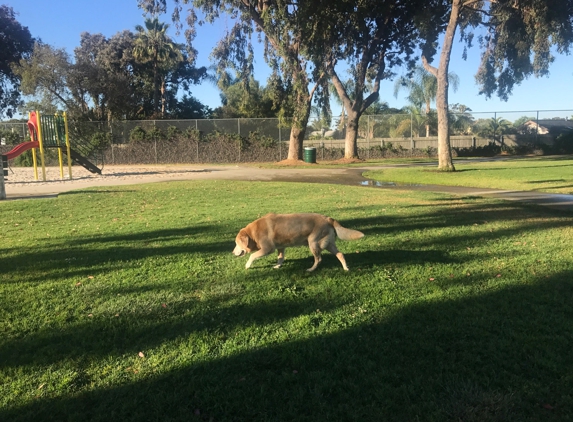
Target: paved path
{"points": [[128, 175]]}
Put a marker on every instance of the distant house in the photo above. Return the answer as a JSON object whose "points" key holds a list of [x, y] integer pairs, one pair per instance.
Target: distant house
{"points": [[549, 126]]}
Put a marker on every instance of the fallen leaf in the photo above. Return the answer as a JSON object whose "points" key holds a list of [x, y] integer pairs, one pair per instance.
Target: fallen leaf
{"points": [[79, 283], [90, 315], [41, 386], [431, 278], [197, 412], [294, 371], [141, 355], [164, 305], [548, 406], [499, 275], [90, 276]]}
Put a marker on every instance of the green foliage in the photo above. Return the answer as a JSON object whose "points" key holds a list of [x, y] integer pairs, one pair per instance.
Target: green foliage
{"points": [[262, 140], [489, 150], [16, 43], [156, 134], [10, 137], [173, 133], [193, 134], [563, 143], [137, 134], [101, 140]]}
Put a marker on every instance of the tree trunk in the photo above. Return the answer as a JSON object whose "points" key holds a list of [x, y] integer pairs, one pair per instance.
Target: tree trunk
{"points": [[155, 89], [351, 138], [445, 162], [298, 128], [162, 99]]}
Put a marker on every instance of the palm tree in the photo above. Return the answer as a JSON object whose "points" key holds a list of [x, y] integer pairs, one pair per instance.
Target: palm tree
{"points": [[154, 46], [423, 87], [495, 128]]}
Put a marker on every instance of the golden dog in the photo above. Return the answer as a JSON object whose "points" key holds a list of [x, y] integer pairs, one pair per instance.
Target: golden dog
{"points": [[279, 231]]}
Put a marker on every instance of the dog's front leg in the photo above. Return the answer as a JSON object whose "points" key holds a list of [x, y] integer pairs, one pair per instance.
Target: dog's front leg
{"points": [[259, 254], [281, 258]]}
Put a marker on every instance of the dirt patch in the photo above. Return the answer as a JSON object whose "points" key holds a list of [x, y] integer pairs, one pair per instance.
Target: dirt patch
{"points": [[290, 162]]}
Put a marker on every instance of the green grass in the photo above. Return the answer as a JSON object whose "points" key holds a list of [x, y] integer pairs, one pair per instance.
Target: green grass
{"points": [[125, 303], [544, 174]]}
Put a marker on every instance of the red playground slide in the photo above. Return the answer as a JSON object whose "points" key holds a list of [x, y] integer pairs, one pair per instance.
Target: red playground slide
{"points": [[20, 148]]}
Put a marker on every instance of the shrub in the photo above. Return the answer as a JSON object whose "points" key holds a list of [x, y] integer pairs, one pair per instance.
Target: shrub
{"points": [[156, 134], [564, 143], [137, 134], [173, 133], [193, 134], [265, 141], [101, 141], [10, 138]]}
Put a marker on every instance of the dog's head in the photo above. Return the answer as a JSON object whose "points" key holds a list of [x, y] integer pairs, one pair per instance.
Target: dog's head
{"points": [[244, 244]]}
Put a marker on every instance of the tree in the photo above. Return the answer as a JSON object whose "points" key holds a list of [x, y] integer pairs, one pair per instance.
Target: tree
{"points": [[16, 43], [494, 128], [282, 25], [153, 45], [105, 81], [45, 73], [370, 37], [517, 44], [461, 120], [242, 100], [422, 87]]}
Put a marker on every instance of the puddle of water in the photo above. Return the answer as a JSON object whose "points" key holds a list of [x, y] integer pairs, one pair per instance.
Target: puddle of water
{"points": [[378, 184]]}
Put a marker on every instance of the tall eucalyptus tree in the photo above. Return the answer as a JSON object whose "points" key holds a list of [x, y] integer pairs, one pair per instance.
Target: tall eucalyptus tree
{"points": [[369, 38], [282, 25], [516, 43]]}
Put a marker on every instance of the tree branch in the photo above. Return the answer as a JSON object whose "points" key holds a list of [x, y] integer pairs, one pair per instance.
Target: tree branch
{"points": [[432, 69]]}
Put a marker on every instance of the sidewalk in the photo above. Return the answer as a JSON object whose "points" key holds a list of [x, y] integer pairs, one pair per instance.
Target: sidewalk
{"points": [[20, 184]]}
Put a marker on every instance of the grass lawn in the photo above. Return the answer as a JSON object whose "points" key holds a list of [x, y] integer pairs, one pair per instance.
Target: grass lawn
{"points": [[546, 174], [126, 304]]}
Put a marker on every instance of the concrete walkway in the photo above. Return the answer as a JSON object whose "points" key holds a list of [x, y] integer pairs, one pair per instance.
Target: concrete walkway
{"points": [[128, 175]]}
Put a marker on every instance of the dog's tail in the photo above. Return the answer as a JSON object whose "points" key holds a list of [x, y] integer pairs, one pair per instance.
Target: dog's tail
{"points": [[344, 233]]}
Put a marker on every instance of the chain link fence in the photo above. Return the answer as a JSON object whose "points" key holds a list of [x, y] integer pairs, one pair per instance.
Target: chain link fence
{"points": [[263, 140]]}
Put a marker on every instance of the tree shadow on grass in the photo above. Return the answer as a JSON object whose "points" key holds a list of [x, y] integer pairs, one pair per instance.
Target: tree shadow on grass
{"points": [[504, 355], [93, 255], [100, 335]]}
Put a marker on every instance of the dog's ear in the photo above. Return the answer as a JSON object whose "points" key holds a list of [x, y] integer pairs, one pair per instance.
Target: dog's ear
{"points": [[243, 239], [252, 245]]}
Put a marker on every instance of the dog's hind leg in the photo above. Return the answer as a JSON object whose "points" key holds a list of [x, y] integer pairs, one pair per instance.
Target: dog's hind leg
{"points": [[334, 251], [316, 252], [281, 258]]}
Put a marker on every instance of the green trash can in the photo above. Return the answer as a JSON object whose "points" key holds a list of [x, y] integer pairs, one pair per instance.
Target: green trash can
{"points": [[310, 155]]}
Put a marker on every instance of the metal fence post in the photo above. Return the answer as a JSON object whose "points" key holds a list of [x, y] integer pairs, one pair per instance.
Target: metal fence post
{"points": [[537, 127], [412, 132]]}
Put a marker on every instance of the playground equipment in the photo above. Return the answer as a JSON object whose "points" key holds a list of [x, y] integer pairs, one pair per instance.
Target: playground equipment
{"points": [[48, 131]]}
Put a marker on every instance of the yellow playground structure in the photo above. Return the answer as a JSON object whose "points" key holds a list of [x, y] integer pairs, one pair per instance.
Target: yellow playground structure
{"points": [[47, 131]]}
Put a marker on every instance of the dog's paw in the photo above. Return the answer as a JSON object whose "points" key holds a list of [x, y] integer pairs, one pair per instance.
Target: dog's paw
{"points": [[276, 267]]}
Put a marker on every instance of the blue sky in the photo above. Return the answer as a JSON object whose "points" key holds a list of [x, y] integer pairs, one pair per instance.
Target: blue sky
{"points": [[60, 23]]}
